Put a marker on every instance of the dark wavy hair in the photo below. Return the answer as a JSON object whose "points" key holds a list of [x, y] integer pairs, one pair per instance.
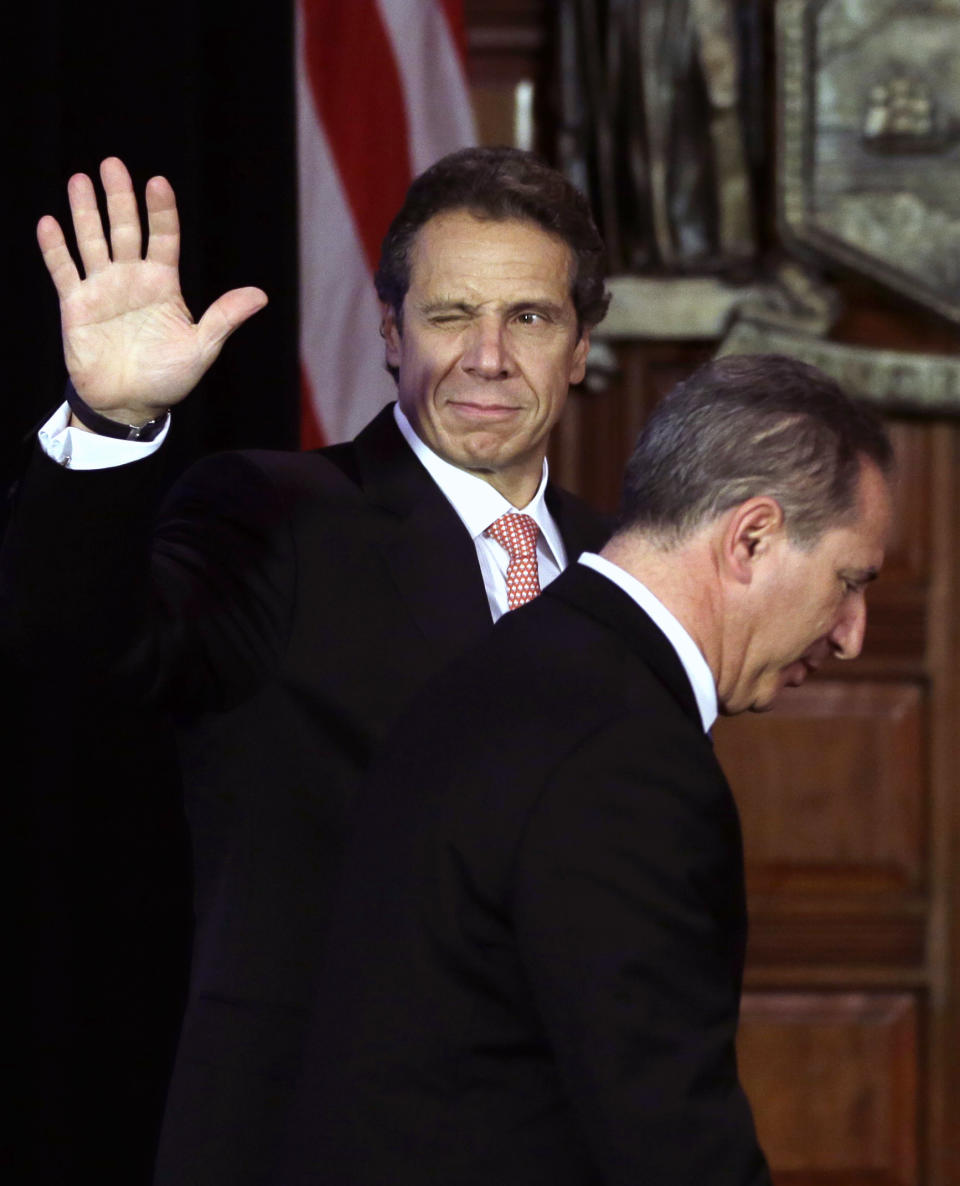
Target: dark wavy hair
{"points": [[498, 184]]}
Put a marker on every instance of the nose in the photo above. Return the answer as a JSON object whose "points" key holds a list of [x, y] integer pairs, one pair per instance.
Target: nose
{"points": [[486, 351], [846, 637]]}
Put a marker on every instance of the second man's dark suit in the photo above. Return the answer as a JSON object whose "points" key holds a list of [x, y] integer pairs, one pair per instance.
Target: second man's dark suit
{"points": [[296, 603], [534, 968]]}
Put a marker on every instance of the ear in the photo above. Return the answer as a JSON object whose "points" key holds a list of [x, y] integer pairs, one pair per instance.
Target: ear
{"points": [[752, 530], [390, 332], [578, 364]]}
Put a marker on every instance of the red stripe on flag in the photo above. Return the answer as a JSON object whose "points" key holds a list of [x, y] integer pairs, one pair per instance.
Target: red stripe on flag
{"points": [[311, 434], [359, 102], [453, 10]]}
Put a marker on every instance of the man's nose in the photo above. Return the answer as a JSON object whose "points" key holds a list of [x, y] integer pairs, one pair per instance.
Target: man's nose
{"points": [[846, 638], [487, 351]]}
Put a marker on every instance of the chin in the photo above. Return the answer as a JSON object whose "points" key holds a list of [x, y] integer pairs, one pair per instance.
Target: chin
{"points": [[759, 704], [765, 698]]}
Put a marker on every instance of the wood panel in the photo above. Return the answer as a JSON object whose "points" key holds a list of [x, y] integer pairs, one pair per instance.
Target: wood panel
{"points": [[847, 763], [909, 552], [833, 1083], [898, 628], [942, 1061]]}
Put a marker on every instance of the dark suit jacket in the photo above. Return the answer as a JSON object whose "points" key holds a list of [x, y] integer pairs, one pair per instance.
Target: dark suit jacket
{"points": [[534, 967], [296, 603]]}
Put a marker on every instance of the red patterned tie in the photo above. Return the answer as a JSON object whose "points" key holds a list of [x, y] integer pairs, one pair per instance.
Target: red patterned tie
{"points": [[518, 535]]}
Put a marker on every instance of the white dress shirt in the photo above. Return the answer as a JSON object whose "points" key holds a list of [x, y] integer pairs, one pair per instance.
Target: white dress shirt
{"points": [[474, 500], [79, 449], [479, 505], [689, 654]]}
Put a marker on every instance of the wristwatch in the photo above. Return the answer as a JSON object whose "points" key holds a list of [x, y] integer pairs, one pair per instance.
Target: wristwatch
{"points": [[113, 428]]}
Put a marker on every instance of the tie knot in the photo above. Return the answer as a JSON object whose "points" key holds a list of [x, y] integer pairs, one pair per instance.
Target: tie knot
{"points": [[517, 533]]}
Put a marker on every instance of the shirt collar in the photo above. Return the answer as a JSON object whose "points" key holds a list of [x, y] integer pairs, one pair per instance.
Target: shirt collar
{"points": [[476, 502], [689, 654]]}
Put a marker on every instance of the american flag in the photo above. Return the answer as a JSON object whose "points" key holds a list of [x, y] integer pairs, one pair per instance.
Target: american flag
{"points": [[381, 94]]}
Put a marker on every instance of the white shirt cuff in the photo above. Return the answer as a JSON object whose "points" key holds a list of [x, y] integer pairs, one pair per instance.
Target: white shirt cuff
{"points": [[77, 449]]}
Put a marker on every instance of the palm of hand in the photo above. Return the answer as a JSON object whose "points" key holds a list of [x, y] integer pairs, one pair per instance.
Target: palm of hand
{"points": [[129, 338]]}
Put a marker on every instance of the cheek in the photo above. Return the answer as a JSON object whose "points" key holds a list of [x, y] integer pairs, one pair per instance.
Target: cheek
{"points": [[552, 382], [425, 372], [832, 611]]}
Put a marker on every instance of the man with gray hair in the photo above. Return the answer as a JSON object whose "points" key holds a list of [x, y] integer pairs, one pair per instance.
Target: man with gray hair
{"points": [[534, 971]]}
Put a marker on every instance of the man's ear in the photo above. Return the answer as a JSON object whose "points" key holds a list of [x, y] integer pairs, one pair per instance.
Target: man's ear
{"points": [[578, 364], [390, 332], [752, 528]]}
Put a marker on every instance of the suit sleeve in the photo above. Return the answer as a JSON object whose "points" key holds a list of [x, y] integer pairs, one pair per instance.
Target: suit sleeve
{"points": [[189, 615], [630, 922]]}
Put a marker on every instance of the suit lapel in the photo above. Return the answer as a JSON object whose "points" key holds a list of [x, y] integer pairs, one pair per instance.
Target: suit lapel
{"points": [[592, 594], [430, 556]]}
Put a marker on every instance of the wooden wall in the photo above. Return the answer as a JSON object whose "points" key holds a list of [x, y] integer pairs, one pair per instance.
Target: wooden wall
{"points": [[849, 789]]}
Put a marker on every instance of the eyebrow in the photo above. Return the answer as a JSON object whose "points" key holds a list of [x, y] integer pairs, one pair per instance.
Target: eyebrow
{"points": [[532, 306], [448, 306]]}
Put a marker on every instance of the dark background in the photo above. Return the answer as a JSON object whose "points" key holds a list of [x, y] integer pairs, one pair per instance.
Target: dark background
{"points": [[99, 886], [100, 889]]}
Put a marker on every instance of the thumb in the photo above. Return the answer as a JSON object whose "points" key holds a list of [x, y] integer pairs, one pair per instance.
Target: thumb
{"points": [[226, 314]]}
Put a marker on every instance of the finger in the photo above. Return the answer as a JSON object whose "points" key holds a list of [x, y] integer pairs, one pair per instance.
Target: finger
{"points": [[86, 224], [121, 209], [163, 245], [227, 314], [56, 256]]}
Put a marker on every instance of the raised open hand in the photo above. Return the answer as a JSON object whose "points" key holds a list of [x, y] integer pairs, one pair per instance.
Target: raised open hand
{"points": [[130, 344]]}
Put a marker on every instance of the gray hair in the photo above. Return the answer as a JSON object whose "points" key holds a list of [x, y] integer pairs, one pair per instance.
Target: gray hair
{"points": [[749, 425]]}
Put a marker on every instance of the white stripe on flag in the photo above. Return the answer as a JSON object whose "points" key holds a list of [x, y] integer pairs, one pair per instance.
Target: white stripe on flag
{"points": [[439, 116], [340, 346], [341, 351]]}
